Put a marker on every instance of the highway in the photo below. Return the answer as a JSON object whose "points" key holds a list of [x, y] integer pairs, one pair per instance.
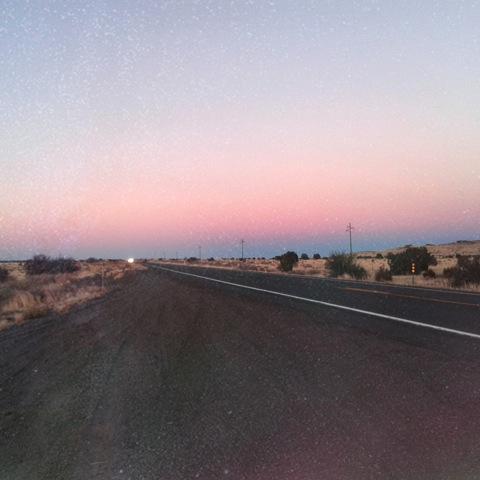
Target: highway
{"points": [[447, 309], [177, 376]]}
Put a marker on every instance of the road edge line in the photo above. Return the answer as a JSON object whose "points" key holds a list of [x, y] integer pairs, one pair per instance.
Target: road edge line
{"points": [[328, 304]]}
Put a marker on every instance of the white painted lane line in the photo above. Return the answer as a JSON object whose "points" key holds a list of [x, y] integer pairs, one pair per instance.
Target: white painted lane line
{"points": [[328, 304]]}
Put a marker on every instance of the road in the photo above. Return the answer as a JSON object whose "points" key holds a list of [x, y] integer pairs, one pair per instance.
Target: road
{"points": [[177, 377]]}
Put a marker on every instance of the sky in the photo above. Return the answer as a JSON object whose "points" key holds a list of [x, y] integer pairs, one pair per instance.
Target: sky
{"points": [[148, 128]]}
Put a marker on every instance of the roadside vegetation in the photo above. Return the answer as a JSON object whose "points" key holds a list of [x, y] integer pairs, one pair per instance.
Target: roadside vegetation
{"points": [[383, 275], [465, 273], [40, 264], [42, 284], [287, 261], [340, 264], [401, 263], [3, 275]]}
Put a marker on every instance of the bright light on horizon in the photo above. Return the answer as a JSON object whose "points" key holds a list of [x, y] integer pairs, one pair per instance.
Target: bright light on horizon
{"points": [[130, 260]]}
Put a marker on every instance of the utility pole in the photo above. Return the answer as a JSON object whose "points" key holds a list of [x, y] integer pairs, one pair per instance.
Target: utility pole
{"points": [[243, 243], [349, 230], [199, 252]]}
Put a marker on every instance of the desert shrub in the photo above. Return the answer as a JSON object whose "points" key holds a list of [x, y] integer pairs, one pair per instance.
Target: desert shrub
{"points": [[192, 259], [340, 263], [43, 264], [316, 256], [383, 275], [211, 259], [401, 263], [287, 261], [358, 272], [448, 272], [379, 256], [5, 294], [429, 273], [3, 274], [92, 260], [304, 256], [467, 271]]}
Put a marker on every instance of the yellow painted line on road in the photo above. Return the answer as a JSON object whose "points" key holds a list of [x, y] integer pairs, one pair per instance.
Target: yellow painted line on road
{"points": [[416, 297]]}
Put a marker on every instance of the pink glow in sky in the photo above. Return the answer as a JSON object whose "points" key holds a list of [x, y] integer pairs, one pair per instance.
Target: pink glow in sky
{"points": [[139, 132]]}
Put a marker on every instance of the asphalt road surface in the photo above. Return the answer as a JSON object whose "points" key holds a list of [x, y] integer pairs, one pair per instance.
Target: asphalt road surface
{"points": [[172, 376]]}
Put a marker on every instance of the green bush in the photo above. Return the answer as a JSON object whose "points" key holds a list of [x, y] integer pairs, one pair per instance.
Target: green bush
{"points": [[287, 261], [316, 256], [383, 275], [401, 263], [304, 256], [340, 263], [379, 256]]}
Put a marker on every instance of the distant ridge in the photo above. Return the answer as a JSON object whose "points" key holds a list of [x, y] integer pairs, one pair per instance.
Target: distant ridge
{"points": [[461, 247]]}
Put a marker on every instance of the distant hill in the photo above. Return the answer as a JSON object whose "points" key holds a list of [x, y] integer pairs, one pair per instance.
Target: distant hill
{"points": [[462, 247]]}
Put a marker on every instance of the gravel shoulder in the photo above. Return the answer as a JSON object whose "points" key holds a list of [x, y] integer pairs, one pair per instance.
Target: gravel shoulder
{"points": [[173, 378]]}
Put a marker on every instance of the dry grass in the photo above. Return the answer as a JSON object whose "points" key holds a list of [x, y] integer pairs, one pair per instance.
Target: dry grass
{"points": [[24, 297]]}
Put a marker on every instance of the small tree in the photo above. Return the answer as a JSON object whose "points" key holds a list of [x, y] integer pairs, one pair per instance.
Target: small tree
{"points": [[379, 256], [304, 256], [287, 261], [401, 263], [316, 256]]}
